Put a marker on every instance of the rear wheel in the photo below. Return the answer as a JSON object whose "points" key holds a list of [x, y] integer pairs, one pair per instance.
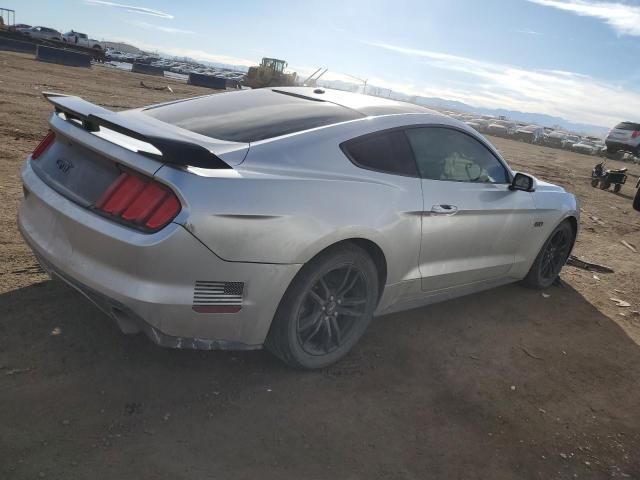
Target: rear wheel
{"points": [[617, 187], [326, 309], [551, 258], [604, 185]]}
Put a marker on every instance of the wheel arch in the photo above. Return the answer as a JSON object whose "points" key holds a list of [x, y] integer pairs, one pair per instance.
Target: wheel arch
{"points": [[371, 248]]}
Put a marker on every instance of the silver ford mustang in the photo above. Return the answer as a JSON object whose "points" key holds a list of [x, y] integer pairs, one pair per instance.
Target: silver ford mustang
{"points": [[284, 217]]}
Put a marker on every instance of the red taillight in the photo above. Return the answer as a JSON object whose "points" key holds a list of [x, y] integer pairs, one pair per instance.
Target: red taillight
{"points": [[635, 134], [140, 201], [43, 145]]}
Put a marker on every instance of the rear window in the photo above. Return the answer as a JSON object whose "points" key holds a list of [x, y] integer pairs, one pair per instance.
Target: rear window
{"points": [[628, 126], [387, 152], [251, 115]]}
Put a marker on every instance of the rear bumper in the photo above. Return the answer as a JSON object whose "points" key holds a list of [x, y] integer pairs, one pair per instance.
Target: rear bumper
{"points": [[146, 281], [612, 144]]}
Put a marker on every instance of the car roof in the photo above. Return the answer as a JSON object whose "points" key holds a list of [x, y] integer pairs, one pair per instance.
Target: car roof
{"points": [[365, 104]]}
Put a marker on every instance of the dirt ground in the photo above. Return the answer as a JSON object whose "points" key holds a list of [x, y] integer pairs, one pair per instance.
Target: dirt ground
{"points": [[499, 385]]}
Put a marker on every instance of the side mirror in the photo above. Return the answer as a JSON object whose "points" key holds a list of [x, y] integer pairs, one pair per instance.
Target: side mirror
{"points": [[522, 182]]}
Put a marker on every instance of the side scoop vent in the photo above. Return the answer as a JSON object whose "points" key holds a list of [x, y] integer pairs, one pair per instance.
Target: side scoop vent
{"points": [[217, 297]]}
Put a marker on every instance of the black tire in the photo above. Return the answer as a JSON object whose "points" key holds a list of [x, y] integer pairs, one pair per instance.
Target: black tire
{"points": [[605, 185], [551, 258], [617, 187], [636, 200], [612, 150], [594, 182], [319, 343]]}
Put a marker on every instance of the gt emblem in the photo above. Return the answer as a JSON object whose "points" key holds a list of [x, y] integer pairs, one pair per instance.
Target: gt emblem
{"points": [[538, 224], [64, 165]]}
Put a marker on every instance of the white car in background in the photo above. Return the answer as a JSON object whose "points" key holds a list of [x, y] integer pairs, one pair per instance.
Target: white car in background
{"points": [[81, 39], [502, 128], [585, 146], [478, 124], [569, 141]]}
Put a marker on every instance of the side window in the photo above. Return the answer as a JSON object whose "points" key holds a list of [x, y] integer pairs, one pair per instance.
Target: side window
{"points": [[387, 152], [446, 154]]}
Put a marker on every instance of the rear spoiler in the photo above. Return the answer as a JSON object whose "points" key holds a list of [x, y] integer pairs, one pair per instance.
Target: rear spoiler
{"points": [[174, 149]]}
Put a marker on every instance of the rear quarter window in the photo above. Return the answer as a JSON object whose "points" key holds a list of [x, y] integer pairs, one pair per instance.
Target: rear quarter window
{"points": [[386, 152]]}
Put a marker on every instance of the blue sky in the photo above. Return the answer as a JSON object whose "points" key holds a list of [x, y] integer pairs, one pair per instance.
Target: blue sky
{"points": [[578, 59]]}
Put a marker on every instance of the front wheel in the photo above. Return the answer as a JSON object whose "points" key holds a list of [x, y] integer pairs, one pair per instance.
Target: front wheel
{"points": [[551, 258], [326, 309], [617, 187], [605, 185], [594, 182]]}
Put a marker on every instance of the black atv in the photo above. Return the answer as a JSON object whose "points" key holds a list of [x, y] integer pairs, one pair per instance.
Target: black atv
{"points": [[607, 177]]}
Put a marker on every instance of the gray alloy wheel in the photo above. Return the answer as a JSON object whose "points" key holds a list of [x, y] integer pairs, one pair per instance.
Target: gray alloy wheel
{"points": [[552, 257], [326, 309]]}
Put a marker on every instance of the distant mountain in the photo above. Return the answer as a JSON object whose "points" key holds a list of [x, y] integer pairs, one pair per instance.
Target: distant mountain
{"points": [[529, 117], [444, 104]]}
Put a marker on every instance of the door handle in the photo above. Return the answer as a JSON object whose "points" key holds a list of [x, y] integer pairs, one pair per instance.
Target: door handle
{"points": [[444, 210]]}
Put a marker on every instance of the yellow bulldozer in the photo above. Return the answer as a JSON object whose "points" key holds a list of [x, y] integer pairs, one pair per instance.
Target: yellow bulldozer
{"points": [[270, 73]]}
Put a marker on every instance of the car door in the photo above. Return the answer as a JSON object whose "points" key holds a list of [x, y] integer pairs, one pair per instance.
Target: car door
{"points": [[473, 225]]}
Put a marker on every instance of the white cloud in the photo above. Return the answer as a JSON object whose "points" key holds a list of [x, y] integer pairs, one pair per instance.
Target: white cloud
{"points": [[131, 8], [576, 97], [150, 26], [528, 32], [623, 18]]}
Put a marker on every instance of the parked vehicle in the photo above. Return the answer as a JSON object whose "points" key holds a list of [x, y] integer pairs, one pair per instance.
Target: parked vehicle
{"points": [[82, 39], [624, 136], [569, 141], [21, 27], [605, 177], [586, 147], [502, 128], [43, 33], [529, 133], [555, 139], [286, 218], [478, 124]]}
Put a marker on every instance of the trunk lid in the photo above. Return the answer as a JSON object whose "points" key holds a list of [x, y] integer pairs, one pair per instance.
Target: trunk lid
{"points": [[94, 145]]}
